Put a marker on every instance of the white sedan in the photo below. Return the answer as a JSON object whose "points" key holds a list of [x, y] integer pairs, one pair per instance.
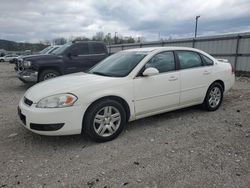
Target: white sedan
{"points": [[10, 57], [127, 86]]}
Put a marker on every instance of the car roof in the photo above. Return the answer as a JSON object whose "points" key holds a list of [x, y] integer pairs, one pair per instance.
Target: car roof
{"points": [[150, 49], [93, 42]]}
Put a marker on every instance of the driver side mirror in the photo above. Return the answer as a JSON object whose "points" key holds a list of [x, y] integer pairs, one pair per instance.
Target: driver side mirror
{"points": [[72, 54], [69, 55], [150, 72]]}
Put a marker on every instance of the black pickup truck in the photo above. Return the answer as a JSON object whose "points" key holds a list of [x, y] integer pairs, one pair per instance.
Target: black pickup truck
{"points": [[70, 58]]}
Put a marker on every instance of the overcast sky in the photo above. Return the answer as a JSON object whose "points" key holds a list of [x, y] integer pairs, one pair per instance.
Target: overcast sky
{"points": [[34, 20]]}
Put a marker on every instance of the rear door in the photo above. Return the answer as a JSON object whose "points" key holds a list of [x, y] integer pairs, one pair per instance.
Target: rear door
{"points": [[195, 77]]}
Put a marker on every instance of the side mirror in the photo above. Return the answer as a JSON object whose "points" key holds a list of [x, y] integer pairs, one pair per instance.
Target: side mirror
{"points": [[150, 71], [69, 55], [72, 54]]}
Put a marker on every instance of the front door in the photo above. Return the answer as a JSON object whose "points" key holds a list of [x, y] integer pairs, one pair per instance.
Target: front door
{"points": [[157, 93], [78, 59]]}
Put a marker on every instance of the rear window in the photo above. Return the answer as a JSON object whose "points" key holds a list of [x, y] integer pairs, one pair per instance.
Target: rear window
{"points": [[98, 48], [189, 59]]}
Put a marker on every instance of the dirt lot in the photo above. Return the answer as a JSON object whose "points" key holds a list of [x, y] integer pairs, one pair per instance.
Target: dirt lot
{"points": [[185, 148]]}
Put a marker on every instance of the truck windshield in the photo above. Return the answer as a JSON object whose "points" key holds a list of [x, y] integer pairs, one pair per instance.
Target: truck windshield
{"points": [[61, 49], [119, 64]]}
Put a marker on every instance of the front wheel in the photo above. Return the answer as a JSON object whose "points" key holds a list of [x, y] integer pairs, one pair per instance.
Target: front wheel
{"points": [[213, 97], [48, 74], [105, 120]]}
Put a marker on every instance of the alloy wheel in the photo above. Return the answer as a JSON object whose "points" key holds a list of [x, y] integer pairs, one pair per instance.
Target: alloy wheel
{"points": [[107, 121], [214, 97]]}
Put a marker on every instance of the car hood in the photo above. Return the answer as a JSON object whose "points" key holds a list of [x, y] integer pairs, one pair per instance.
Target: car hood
{"points": [[72, 83], [40, 57]]}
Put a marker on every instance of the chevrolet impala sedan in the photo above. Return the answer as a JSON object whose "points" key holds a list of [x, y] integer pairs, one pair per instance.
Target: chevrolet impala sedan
{"points": [[126, 86]]}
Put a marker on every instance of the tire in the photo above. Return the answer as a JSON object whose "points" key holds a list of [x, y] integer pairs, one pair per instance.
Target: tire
{"points": [[48, 74], [213, 97], [101, 129], [1, 60]]}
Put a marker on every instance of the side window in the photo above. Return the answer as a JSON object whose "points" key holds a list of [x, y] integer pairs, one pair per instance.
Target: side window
{"points": [[98, 48], [207, 61], [80, 49], [189, 59], [163, 62]]}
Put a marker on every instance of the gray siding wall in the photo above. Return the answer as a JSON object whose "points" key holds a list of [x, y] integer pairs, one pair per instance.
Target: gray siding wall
{"points": [[234, 47]]}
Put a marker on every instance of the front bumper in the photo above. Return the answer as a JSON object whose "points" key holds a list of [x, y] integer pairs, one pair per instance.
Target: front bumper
{"points": [[28, 76], [53, 121]]}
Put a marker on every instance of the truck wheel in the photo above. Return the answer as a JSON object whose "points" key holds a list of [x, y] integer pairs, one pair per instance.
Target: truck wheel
{"points": [[1, 60], [48, 74]]}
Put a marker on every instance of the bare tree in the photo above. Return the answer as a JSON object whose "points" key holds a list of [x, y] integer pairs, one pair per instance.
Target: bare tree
{"points": [[59, 41], [81, 38], [99, 36]]}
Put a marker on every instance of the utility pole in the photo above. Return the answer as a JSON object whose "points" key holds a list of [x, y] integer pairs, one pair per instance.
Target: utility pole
{"points": [[109, 38], [196, 25], [115, 38]]}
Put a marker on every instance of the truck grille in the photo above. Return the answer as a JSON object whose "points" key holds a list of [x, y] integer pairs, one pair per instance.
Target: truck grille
{"points": [[27, 101]]}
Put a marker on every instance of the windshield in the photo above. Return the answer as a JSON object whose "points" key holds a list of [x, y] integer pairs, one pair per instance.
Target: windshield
{"points": [[61, 49], [119, 64]]}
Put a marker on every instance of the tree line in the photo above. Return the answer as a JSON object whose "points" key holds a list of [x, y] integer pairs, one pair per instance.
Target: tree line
{"points": [[107, 38], [99, 36], [20, 46]]}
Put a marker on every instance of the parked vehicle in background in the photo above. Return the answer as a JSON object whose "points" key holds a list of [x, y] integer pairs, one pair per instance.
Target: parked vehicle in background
{"points": [[44, 50], [70, 58], [47, 50], [11, 58], [2, 58], [126, 86], [50, 49]]}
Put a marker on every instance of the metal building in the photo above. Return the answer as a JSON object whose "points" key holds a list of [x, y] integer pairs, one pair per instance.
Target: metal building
{"points": [[234, 47]]}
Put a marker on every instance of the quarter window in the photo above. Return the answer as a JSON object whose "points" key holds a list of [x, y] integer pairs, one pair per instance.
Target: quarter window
{"points": [[207, 61], [189, 59], [163, 62]]}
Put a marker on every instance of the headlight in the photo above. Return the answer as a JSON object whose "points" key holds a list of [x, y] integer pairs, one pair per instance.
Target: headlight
{"points": [[26, 64], [57, 101]]}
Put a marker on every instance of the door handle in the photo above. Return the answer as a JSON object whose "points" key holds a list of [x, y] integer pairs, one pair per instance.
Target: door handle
{"points": [[173, 78], [206, 72]]}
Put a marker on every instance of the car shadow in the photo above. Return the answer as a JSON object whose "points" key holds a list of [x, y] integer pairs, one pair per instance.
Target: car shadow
{"points": [[176, 114], [82, 141]]}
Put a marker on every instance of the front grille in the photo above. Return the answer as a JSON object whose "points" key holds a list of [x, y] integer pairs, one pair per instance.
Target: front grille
{"points": [[27, 101]]}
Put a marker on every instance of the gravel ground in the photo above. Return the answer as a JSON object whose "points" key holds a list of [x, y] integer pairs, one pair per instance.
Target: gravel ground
{"points": [[184, 148]]}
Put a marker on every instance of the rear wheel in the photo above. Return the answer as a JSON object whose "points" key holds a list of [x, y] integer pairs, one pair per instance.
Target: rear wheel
{"points": [[48, 74], [105, 120], [213, 97]]}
